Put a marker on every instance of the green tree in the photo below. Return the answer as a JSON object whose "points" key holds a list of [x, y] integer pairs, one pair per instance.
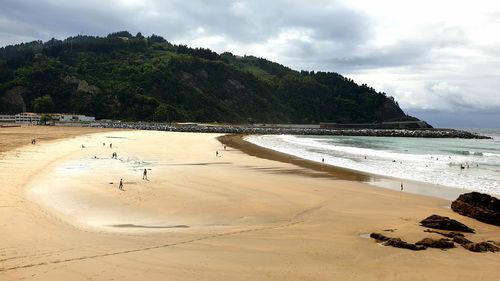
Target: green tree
{"points": [[43, 104], [161, 113], [45, 118]]}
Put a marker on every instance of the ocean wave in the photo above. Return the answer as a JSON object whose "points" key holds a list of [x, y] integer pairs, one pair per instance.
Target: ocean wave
{"points": [[438, 169], [367, 152]]}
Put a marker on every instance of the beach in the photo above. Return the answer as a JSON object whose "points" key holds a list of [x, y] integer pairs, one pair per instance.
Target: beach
{"points": [[238, 215]]}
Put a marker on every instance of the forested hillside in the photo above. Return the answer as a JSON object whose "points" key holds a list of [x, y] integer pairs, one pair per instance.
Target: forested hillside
{"points": [[128, 77]]}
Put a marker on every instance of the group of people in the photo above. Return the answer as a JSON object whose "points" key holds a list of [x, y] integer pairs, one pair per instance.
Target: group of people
{"points": [[114, 155]]}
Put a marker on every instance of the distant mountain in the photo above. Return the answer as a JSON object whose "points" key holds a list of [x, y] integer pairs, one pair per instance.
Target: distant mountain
{"points": [[128, 77]]}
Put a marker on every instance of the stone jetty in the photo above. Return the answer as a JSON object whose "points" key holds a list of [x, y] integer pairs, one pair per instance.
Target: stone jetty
{"points": [[249, 130]]}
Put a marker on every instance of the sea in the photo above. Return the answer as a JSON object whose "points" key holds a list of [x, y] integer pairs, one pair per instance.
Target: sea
{"points": [[467, 164]]}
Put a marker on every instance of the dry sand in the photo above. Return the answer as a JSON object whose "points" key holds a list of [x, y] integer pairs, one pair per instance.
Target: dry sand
{"points": [[202, 217]]}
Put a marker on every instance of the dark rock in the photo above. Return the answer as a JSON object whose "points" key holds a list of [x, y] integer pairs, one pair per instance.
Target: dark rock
{"points": [[481, 247], [445, 223], [379, 237], [451, 234], [480, 206], [494, 242], [398, 243], [461, 240], [442, 243]]}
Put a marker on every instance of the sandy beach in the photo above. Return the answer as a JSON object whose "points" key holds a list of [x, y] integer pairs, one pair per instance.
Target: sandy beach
{"points": [[198, 216]]}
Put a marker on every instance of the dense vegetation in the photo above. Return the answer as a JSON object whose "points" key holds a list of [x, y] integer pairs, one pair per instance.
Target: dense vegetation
{"points": [[128, 77]]}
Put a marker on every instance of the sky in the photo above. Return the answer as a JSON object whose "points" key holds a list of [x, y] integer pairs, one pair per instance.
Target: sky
{"points": [[440, 59]]}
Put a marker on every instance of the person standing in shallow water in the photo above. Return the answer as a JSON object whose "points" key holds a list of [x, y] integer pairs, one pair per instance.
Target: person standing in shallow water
{"points": [[120, 187], [145, 174]]}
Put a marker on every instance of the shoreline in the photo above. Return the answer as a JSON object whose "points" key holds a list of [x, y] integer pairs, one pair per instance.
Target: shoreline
{"points": [[340, 173]]}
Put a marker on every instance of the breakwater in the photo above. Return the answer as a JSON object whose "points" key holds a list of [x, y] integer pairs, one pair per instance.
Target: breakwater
{"points": [[249, 130]]}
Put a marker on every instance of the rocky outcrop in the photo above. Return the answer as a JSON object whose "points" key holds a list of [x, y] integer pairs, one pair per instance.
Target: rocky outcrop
{"points": [[445, 223], [379, 236], [396, 242], [459, 238], [480, 206], [451, 234], [481, 247], [442, 243]]}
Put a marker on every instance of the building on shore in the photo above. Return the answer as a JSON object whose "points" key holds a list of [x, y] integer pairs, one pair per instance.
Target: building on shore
{"points": [[27, 118], [62, 117], [7, 119], [35, 118]]}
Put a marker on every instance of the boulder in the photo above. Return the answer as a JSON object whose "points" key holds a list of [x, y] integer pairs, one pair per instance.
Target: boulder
{"points": [[450, 234], [480, 206], [461, 240], [442, 243], [445, 223], [396, 242], [379, 237], [481, 247]]}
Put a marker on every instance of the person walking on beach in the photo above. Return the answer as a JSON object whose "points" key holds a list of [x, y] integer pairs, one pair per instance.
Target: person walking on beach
{"points": [[401, 186], [224, 147], [120, 187], [322, 160], [145, 175], [216, 153], [110, 145]]}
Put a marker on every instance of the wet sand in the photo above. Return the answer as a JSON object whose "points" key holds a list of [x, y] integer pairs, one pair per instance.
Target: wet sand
{"points": [[202, 217]]}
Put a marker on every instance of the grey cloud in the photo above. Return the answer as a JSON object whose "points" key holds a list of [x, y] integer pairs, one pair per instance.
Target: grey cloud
{"points": [[257, 22]]}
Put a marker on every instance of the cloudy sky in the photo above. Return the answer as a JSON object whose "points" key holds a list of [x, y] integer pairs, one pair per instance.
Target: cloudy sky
{"points": [[440, 59]]}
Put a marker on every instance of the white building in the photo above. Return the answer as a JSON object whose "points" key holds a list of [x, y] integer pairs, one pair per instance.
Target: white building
{"points": [[7, 118], [62, 117], [28, 118], [83, 118], [34, 118]]}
